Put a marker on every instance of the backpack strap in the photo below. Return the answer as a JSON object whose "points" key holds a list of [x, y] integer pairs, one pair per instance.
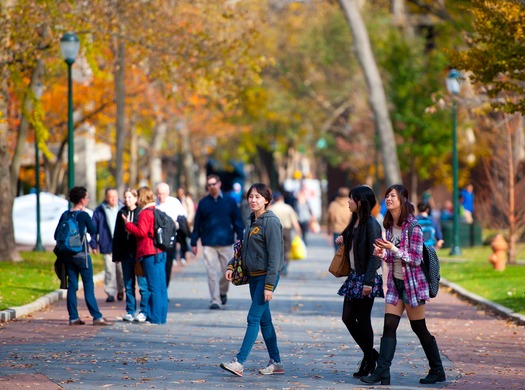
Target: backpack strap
{"points": [[151, 235], [415, 223], [411, 227]]}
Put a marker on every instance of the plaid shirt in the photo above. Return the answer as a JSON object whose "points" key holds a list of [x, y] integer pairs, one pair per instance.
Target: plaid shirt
{"points": [[411, 254]]}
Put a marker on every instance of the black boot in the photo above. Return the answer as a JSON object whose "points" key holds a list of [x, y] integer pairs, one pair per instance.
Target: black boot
{"points": [[382, 371], [436, 372], [367, 365]]}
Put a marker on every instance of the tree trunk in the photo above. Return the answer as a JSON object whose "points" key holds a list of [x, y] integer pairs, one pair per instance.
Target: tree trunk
{"points": [[266, 169], [24, 123], [8, 250], [133, 156], [188, 172], [155, 161], [512, 206], [413, 182], [55, 172], [377, 98], [120, 96]]}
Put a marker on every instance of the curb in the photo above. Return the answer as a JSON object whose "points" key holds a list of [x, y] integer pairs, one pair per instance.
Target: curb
{"points": [[42, 302], [476, 299]]}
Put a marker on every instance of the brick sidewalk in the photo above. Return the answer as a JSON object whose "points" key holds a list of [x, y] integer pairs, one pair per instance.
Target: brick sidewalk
{"points": [[487, 352]]}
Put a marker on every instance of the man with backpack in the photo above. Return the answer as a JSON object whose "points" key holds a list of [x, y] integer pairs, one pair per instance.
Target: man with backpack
{"points": [[104, 218], [73, 250], [432, 234]]}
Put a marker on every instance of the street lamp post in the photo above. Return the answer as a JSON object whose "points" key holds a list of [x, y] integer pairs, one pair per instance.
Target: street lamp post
{"points": [[453, 87], [38, 246], [69, 46]]}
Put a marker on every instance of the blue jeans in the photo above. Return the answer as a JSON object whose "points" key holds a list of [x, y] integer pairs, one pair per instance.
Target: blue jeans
{"points": [[128, 273], [155, 273], [259, 316], [75, 267]]}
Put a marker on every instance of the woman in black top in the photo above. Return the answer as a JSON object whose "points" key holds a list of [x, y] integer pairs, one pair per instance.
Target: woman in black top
{"points": [[80, 264], [363, 284], [125, 251]]}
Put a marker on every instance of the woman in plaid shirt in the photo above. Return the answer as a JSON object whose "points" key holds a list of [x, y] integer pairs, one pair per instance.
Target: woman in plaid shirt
{"points": [[407, 286]]}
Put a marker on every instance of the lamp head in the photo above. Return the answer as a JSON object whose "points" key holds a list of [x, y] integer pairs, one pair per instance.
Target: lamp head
{"points": [[69, 46], [454, 82]]}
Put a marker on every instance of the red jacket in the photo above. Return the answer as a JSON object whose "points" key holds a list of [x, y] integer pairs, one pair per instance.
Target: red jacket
{"points": [[143, 230]]}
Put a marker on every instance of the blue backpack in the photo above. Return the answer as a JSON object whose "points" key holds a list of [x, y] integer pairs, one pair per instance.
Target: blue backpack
{"points": [[67, 235], [429, 233]]}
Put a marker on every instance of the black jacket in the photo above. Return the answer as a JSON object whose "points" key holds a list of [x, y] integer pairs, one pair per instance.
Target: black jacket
{"points": [[363, 249], [61, 272], [124, 243]]}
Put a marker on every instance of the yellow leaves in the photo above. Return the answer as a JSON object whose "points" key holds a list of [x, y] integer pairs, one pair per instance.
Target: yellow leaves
{"points": [[42, 132], [495, 56]]}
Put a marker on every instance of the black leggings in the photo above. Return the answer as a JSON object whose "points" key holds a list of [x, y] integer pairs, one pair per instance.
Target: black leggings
{"points": [[356, 317], [418, 326]]}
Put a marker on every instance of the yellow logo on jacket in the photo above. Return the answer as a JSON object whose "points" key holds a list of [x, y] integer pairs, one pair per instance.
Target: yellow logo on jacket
{"points": [[255, 230]]}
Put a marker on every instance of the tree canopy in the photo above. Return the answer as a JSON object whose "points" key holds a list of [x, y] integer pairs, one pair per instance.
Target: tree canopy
{"points": [[496, 52]]}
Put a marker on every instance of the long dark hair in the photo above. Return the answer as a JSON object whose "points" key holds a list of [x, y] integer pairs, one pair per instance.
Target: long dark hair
{"points": [[365, 198], [407, 208]]}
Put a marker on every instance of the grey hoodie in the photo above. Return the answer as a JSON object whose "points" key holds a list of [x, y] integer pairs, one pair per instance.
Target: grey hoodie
{"points": [[263, 247]]}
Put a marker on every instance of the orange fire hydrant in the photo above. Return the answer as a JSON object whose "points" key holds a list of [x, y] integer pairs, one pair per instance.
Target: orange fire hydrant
{"points": [[499, 257]]}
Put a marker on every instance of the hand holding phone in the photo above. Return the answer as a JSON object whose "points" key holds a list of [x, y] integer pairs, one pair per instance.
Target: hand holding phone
{"points": [[381, 243]]}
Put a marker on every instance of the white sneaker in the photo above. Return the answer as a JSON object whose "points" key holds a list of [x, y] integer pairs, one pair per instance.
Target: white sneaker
{"points": [[234, 367], [128, 318], [183, 262], [140, 318], [272, 368]]}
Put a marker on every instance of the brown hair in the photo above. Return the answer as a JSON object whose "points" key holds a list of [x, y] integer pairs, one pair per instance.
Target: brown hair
{"points": [[213, 176], [133, 192], [146, 196]]}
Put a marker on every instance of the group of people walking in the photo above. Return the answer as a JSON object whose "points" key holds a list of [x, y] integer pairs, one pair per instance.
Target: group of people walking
{"points": [[217, 223], [407, 289], [365, 249]]}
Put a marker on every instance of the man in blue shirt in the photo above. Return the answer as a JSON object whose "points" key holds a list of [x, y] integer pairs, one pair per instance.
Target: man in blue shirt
{"points": [[217, 221], [468, 198]]}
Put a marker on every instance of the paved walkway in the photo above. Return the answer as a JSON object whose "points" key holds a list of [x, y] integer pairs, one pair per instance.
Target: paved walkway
{"points": [[42, 351]]}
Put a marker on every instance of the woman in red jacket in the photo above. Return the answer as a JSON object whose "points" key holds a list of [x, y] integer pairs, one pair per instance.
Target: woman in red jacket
{"points": [[153, 259]]}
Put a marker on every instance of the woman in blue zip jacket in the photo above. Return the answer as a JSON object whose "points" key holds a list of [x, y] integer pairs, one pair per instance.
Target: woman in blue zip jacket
{"points": [[263, 255]]}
